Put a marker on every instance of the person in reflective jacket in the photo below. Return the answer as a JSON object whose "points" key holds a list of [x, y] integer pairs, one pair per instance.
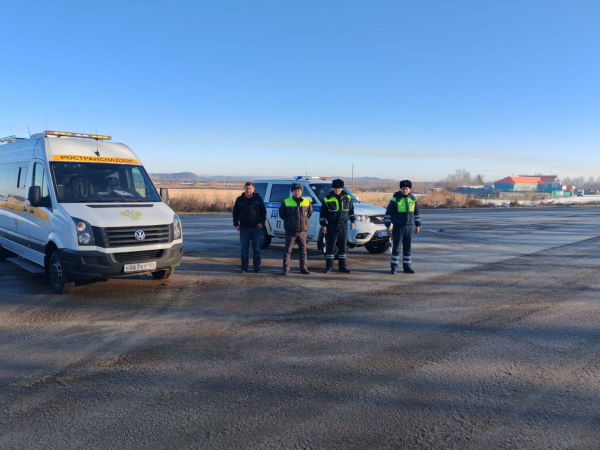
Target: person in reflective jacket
{"points": [[295, 212], [336, 211], [403, 213]]}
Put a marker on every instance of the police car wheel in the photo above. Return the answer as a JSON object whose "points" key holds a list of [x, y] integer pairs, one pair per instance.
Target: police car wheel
{"points": [[58, 278], [378, 246], [163, 274], [266, 239]]}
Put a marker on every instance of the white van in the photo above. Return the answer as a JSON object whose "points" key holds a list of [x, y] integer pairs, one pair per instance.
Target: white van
{"points": [[369, 229], [80, 207]]}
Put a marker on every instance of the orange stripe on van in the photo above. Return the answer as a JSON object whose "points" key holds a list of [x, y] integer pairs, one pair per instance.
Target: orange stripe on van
{"points": [[17, 207], [95, 159]]}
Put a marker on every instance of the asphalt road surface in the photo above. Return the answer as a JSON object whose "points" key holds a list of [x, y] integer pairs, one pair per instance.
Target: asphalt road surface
{"points": [[493, 343]]}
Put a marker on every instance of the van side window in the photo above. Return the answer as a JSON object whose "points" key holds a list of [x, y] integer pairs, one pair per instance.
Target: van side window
{"points": [[279, 192], [39, 179], [261, 189], [7, 180], [16, 181], [22, 176], [12, 181]]}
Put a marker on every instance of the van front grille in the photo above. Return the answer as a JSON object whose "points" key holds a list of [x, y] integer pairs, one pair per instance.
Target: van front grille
{"points": [[133, 257], [126, 236]]}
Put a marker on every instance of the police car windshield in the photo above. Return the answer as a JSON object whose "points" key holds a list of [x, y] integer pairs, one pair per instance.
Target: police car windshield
{"points": [[99, 182], [322, 189]]}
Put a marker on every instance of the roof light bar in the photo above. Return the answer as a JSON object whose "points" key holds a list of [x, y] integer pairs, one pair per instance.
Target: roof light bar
{"points": [[100, 137], [302, 177]]}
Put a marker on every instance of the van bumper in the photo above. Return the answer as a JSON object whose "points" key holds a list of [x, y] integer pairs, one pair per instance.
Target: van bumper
{"points": [[80, 265]]}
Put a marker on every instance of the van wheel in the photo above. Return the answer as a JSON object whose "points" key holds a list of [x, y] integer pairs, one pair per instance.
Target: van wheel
{"points": [[378, 246], [163, 274], [58, 279], [266, 239]]}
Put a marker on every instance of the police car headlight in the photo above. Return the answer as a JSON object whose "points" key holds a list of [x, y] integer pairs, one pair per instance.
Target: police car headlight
{"points": [[85, 234], [177, 230]]}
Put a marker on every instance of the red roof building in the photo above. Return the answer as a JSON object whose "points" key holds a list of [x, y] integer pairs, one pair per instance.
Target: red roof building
{"points": [[536, 183]]}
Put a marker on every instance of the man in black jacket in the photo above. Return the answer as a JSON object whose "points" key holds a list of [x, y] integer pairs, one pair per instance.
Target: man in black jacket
{"points": [[336, 210], [249, 216], [295, 212], [403, 212]]}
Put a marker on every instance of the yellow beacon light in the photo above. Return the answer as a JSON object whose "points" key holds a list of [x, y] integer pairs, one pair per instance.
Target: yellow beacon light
{"points": [[77, 135]]}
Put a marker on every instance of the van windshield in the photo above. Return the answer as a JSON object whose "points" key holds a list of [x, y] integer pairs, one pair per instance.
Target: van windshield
{"points": [[95, 182], [322, 189]]}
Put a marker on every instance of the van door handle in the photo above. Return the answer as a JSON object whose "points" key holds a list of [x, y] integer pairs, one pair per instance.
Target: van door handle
{"points": [[25, 208], [32, 211]]}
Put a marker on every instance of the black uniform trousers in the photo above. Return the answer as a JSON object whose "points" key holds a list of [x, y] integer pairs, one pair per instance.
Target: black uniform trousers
{"points": [[337, 236], [401, 233]]}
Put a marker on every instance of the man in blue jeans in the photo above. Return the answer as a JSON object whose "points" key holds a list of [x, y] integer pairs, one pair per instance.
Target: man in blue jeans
{"points": [[249, 216]]}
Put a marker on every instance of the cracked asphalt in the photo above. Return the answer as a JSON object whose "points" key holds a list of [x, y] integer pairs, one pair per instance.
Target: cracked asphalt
{"points": [[493, 343]]}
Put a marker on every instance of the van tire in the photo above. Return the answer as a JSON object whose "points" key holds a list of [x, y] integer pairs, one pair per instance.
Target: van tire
{"points": [[163, 274], [58, 279], [378, 246], [266, 238]]}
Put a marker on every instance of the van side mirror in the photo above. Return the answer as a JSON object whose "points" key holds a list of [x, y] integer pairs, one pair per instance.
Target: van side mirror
{"points": [[164, 195], [35, 196]]}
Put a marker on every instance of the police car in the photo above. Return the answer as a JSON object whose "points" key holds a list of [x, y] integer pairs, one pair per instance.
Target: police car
{"points": [[369, 230]]}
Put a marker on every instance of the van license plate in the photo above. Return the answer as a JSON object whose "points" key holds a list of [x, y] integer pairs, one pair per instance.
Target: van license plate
{"points": [[382, 234], [139, 267]]}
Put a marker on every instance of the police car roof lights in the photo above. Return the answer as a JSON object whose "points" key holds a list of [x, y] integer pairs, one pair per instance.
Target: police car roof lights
{"points": [[300, 177]]}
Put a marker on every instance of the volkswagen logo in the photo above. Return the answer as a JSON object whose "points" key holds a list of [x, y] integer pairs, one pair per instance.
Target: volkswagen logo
{"points": [[139, 235]]}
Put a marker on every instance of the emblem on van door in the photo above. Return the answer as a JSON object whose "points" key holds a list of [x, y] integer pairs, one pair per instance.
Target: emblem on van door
{"points": [[133, 215], [139, 235]]}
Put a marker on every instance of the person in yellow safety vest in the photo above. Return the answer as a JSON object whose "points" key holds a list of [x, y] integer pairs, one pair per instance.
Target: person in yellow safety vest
{"points": [[336, 210], [295, 212], [403, 213]]}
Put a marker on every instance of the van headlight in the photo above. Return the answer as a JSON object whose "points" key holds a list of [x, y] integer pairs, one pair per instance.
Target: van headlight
{"points": [[177, 230], [85, 234], [361, 218]]}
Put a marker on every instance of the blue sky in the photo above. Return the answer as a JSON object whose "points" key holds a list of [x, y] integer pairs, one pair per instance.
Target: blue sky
{"points": [[399, 89]]}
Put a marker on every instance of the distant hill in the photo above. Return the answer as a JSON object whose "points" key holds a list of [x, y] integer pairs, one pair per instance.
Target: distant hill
{"points": [[188, 177], [180, 177]]}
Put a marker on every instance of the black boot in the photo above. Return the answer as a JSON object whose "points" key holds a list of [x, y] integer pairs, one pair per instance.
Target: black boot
{"points": [[328, 264], [393, 269], [407, 268], [342, 266]]}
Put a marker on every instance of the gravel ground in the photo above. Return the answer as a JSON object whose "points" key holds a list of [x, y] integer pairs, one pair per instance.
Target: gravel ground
{"points": [[494, 343]]}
